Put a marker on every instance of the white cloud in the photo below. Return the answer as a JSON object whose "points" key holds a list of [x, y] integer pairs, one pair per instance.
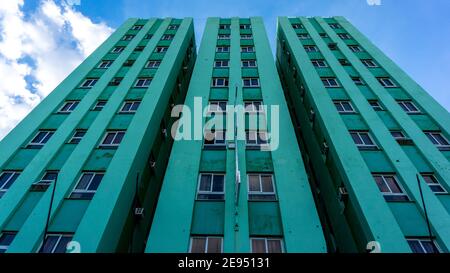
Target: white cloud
{"points": [[45, 46]]}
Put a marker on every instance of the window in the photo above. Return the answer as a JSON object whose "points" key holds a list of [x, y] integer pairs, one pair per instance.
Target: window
{"points": [[344, 106], [319, 63], [344, 62], [344, 36], [357, 81], [214, 138], [408, 106], [376, 105], [173, 27], [105, 64], [247, 49], [334, 26], [167, 37], [47, 179], [223, 49], [143, 82], [422, 245], [115, 81], [69, 106], [303, 36], [434, 184], [161, 49], [323, 35], [87, 185], [266, 245], [89, 83], [310, 48], [297, 26], [250, 82], [332, 46], [6, 239], [246, 36], [40, 139], [148, 36], [56, 243], [224, 26], [7, 178], [112, 138], [153, 64], [117, 49], [245, 26], [137, 27], [253, 107], [128, 63], [206, 244], [221, 64], [211, 186], [223, 37], [219, 82], [217, 106], [99, 105], [139, 48], [363, 139], [386, 82], [77, 136], [127, 37], [438, 139], [255, 138], [249, 63], [355, 48], [389, 187], [261, 187], [397, 135], [369, 63], [130, 106], [330, 82]]}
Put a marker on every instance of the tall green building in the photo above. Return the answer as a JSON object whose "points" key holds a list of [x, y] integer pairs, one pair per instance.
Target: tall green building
{"points": [[375, 144], [85, 166], [224, 194]]}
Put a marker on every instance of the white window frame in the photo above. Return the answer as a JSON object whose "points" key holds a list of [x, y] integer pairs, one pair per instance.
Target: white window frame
{"points": [[105, 64], [369, 63], [246, 36], [173, 27], [224, 26], [377, 107], [77, 137], [220, 49], [41, 143], [89, 83], [223, 37], [405, 107], [117, 49], [255, 64], [386, 82], [153, 64], [133, 102], [161, 49], [215, 81], [3, 190], [59, 235], [310, 48], [86, 189], [344, 111], [221, 63], [344, 36], [390, 193], [5, 247], [146, 82], [250, 79], [247, 49], [206, 242], [251, 108], [430, 134], [364, 145], [335, 25], [214, 106], [319, 63], [260, 192], [137, 27], [435, 183], [210, 192], [128, 37], [46, 182], [329, 85], [355, 48], [420, 240], [216, 141], [266, 239], [116, 132], [245, 26], [258, 142], [297, 26], [357, 81], [403, 136], [167, 37], [303, 36], [98, 107], [73, 104]]}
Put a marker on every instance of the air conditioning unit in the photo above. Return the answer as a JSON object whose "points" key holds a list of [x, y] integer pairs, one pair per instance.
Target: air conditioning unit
{"points": [[139, 212], [342, 194], [152, 164], [41, 185]]}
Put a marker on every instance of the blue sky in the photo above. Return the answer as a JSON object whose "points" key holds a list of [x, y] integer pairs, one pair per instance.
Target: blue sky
{"points": [[414, 33]]}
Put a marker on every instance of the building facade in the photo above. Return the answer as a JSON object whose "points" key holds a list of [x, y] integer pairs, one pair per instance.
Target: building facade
{"points": [[375, 143], [222, 195], [82, 165]]}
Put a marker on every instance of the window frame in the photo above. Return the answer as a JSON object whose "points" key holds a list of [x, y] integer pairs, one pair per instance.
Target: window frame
{"points": [[8, 182], [340, 102], [303, 36], [420, 240], [216, 79], [112, 145], [223, 36], [89, 193], [60, 236], [327, 79], [77, 139], [266, 239], [216, 142], [261, 192], [247, 49], [246, 36], [146, 80], [206, 242], [40, 144], [369, 63], [153, 62], [220, 49], [221, 62], [129, 111], [259, 142], [388, 195], [217, 103], [355, 48], [435, 183], [310, 48], [436, 142], [73, 105], [319, 63], [363, 145], [250, 80], [249, 61], [161, 49], [89, 83], [117, 49], [167, 37], [210, 192], [377, 107], [382, 81], [98, 107], [254, 108], [405, 105], [4, 247]]}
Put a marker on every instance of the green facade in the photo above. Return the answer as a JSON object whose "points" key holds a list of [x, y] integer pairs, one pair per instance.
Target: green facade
{"points": [[139, 74], [180, 214], [340, 87]]}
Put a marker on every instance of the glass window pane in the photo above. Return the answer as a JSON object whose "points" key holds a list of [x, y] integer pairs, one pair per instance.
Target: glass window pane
{"points": [[273, 246], [4, 177], [380, 183], [49, 244], [415, 246], [214, 245], [118, 138], [109, 138], [429, 247], [253, 182], [267, 185], [440, 139], [39, 137], [366, 139], [205, 182], [84, 181], [95, 182], [393, 184], [356, 138], [62, 244], [198, 245], [258, 246], [218, 183]]}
